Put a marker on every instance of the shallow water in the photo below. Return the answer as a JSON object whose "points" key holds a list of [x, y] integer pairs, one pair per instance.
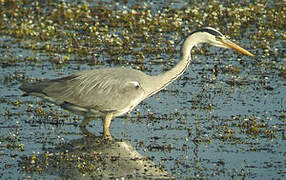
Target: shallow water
{"points": [[224, 118]]}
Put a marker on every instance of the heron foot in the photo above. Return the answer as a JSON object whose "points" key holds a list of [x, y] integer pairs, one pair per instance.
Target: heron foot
{"points": [[107, 136]]}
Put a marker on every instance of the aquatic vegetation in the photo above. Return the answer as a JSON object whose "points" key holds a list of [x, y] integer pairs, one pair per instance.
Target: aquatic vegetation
{"points": [[210, 123]]}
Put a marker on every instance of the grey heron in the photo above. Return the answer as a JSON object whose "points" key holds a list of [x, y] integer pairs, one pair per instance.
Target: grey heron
{"points": [[111, 92]]}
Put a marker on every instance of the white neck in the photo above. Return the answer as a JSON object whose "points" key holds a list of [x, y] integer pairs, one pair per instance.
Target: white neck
{"points": [[164, 79]]}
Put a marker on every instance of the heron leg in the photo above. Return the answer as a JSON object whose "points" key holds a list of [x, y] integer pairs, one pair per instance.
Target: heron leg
{"points": [[106, 126], [83, 124], [85, 121]]}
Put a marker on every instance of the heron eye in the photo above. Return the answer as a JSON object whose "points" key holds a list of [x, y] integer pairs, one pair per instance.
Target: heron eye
{"points": [[218, 38], [136, 84]]}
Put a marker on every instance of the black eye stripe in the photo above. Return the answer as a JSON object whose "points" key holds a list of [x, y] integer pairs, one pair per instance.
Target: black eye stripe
{"points": [[209, 30]]}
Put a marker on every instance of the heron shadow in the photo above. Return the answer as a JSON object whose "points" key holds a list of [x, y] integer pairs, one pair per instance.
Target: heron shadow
{"points": [[93, 158]]}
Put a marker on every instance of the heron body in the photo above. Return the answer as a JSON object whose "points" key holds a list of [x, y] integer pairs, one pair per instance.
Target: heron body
{"points": [[112, 92]]}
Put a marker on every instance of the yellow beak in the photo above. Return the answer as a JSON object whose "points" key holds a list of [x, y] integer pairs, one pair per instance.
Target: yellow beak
{"points": [[236, 47]]}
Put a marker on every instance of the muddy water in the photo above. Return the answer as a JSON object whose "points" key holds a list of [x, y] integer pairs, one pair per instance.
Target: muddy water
{"points": [[224, 118]]}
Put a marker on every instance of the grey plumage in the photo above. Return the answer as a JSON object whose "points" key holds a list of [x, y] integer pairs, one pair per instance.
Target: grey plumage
{"points": [[93, 93]]}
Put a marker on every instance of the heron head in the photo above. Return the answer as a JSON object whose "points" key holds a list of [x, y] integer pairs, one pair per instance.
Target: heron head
{"points": [[214, 37]]}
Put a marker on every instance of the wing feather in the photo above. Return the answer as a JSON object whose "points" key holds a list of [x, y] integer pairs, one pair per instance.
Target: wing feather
{"points": [[106, 89]]}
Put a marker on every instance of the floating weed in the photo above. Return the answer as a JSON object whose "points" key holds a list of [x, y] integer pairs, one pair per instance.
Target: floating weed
{"points": [[12, 142], [82, 29], [236, 129], [231, 69], [256, 126], [16, 103], [282, 70], [98, 34], [46, 114]]}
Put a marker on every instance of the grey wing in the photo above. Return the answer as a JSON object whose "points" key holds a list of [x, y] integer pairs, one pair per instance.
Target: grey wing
{"points": [[103, 90]]}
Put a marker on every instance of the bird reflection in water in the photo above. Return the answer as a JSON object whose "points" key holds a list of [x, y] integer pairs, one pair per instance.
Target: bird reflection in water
{"points": [[93, 158]]}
